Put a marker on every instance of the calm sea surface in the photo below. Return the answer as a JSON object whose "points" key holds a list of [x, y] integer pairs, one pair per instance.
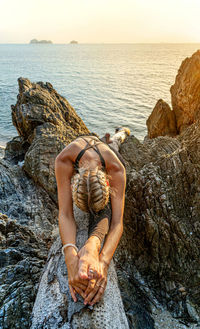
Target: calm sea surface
{"points": [[109, 85]]}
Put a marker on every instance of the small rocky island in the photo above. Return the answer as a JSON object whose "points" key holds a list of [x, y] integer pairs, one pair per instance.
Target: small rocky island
{"points": [[40, 41], [154, 281], [74, 42]]}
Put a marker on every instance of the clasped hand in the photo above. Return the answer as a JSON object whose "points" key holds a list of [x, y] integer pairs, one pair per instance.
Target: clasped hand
{"points": [[87, 275]]}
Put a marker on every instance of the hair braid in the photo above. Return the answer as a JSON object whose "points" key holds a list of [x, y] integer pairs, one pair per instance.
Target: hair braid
{"points": [[90, 190]]}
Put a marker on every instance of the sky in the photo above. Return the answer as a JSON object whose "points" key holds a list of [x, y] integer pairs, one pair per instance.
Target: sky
{"points": [[100, 21]]}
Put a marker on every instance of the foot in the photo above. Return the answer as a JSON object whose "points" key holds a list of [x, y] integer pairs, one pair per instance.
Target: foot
{"points": [[106, 138]]}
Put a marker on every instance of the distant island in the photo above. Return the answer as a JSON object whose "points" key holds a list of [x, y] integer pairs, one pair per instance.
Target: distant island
{"points": [[74, 41], [40, 41]]}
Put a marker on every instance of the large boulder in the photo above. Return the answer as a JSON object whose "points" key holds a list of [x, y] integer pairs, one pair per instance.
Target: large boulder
{"points": [[46, 123], [161, 121], [185, 93], [39, 103]]}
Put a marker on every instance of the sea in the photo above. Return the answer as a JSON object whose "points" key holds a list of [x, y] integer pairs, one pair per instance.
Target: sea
{"points": [[109, 85]]}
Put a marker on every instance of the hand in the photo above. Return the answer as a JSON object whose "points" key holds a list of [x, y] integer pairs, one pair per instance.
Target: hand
{"points": [[76, 284], [94, 295], [89, 260]]}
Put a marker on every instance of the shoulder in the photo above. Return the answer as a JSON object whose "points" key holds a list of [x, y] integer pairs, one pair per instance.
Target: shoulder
{"points": [[113, 163], [69, 153], [64, 162]]}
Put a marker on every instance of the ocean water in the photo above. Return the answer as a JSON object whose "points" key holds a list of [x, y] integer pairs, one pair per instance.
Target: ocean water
{"points": [[109, 85]]}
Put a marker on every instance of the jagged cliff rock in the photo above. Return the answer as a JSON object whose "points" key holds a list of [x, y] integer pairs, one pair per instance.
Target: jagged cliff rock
{"points": [[24, 241], [157, 261], [22, 257], [46, 123], [32, 206], [161, 223], [24, 201], [162, 121], [185, 92], [185, 97]]}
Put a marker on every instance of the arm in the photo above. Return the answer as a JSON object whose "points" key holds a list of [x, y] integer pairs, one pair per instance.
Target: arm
{"points": [[118, 184], [67, 227]]}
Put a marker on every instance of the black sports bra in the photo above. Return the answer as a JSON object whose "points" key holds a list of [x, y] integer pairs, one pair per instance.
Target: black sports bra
{"points": [[88, 146]]}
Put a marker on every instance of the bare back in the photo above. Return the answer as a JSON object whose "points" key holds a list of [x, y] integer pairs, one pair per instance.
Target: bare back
{"points": [[90, 159]]}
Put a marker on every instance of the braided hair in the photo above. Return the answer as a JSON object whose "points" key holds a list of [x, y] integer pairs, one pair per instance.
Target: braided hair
{"points": [[90, 189]]}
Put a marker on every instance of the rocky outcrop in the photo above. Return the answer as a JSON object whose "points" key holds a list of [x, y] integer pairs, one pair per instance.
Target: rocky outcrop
{"points": [[157, 261], [24, 201], [162, 229], [22, 257], [185, 96], [31, 205], [46, 123], [25, 237], [185, 92], [162, 121]]}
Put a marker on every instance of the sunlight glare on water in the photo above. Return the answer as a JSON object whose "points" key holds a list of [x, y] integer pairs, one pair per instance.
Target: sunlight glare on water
{"points": [[109, 85]]}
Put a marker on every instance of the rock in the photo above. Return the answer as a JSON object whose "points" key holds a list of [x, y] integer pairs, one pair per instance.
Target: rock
{"points": [[74, 42], [46, 123], [54, 306], [159, 251], [2, 151], [185, 92], [161, 224], [162, 121], [40, 41], [139, 155], [24, 201], [21, 251], [39, 103], [16, 149]]}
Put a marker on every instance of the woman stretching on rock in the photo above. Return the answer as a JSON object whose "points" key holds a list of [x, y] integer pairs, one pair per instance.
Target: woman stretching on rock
{"points": [[91, 174]]}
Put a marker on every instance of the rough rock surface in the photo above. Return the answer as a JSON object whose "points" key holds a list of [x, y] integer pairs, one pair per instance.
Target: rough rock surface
{"points": [[185, 92], [24, 241], [161, 121], [2, 151], [185, 98], [24, 201], [46, 123], [22, 257], [162, 228], [157, 261], [54, 307]]}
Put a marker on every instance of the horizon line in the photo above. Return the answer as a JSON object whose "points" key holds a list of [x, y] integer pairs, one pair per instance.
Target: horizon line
{"points": [[94, 43]]}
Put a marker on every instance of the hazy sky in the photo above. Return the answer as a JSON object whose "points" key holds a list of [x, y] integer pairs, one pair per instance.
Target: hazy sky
{"points": [[100, 20]]}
